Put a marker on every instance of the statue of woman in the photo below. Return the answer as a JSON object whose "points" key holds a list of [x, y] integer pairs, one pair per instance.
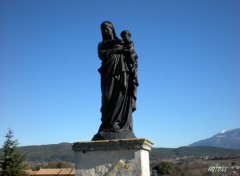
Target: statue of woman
{"points": [[118, 101]]}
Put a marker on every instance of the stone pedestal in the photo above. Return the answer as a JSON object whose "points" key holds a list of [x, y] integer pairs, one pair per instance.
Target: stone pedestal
{"points": [[122, 157]]}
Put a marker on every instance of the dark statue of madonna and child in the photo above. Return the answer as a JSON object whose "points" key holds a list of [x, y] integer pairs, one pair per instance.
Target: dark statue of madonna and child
{"points": [[118, 84]]}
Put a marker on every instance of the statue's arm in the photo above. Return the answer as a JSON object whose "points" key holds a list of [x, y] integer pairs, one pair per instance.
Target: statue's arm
{"points": [[131, 44], [104, 54], [129, 48]]}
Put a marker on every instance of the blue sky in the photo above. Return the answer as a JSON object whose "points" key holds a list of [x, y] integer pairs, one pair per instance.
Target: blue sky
{"points": [[189, 67]]}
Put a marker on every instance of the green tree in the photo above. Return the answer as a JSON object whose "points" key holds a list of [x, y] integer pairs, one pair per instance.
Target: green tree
{"points": [[12, 160], [164, 168]]}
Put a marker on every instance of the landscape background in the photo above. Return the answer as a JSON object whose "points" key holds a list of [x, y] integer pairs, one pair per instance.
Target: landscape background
{"points": [[219, 145], [189, 62], [203, 157]]}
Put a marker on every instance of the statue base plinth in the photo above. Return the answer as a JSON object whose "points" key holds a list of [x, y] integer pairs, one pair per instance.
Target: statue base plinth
{"points": [[112, 135], [112, 157]]}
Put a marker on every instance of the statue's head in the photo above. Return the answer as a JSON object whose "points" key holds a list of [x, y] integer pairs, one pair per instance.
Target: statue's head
{"points": [[108, 31], [126, 35]]}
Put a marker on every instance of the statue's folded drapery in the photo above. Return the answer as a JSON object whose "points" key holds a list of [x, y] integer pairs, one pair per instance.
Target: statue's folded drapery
{"points": [[116, 98]]}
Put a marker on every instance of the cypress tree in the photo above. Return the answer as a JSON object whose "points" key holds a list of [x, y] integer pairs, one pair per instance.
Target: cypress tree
{"points": [[12, 160]]}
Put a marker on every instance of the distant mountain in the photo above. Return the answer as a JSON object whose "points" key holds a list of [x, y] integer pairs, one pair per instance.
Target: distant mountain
{"points": [[63, 152], [225, 139], [47, 153]]}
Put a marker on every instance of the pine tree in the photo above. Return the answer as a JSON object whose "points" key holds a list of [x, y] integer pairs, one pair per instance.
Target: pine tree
{"points": [[12, 160]]}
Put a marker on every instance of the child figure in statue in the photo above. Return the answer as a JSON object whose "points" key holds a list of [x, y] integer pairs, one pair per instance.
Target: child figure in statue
{"points": [[131, 60], [131, 56]]}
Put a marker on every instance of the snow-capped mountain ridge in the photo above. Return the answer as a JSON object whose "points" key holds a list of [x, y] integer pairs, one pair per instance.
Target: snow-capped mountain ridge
{"points": [[225, 139]]}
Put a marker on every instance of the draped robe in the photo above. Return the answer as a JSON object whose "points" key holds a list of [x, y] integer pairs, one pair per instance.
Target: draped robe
{"points": [[117, 101]]}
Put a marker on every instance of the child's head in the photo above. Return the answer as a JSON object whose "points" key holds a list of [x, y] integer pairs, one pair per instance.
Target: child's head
{"points": [[126, 35]]}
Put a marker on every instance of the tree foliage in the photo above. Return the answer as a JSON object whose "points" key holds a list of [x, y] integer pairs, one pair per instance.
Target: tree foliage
{"points": [[165, 168], [12, 160], [52, 165]]}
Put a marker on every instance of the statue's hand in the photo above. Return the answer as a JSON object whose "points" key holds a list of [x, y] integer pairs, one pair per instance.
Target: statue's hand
{"points": [[119, 49], [126, 51]]}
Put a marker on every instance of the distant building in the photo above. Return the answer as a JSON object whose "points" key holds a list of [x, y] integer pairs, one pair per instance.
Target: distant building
{"points": [[52, 172]]}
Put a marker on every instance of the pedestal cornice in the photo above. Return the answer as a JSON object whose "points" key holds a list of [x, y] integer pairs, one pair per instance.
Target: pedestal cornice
{"points": [[117, 144]]}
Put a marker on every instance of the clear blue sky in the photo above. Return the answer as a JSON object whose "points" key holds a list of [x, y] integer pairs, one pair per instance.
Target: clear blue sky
{"points": [[189, 68]]}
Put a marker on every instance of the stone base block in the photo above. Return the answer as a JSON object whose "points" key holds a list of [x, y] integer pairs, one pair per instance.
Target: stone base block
{"points": [[124, 157]]}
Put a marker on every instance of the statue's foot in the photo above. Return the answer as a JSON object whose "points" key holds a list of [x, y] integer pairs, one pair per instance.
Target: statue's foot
{"points": [[116, 126]]}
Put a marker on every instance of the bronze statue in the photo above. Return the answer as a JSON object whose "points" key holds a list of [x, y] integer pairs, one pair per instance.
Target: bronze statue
{"points": [[118, 84]]}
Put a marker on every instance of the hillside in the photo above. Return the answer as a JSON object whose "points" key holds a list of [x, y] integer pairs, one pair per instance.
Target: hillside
{"points": [[47, 153], [225, 139], [63, 152], [192, 152]]}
